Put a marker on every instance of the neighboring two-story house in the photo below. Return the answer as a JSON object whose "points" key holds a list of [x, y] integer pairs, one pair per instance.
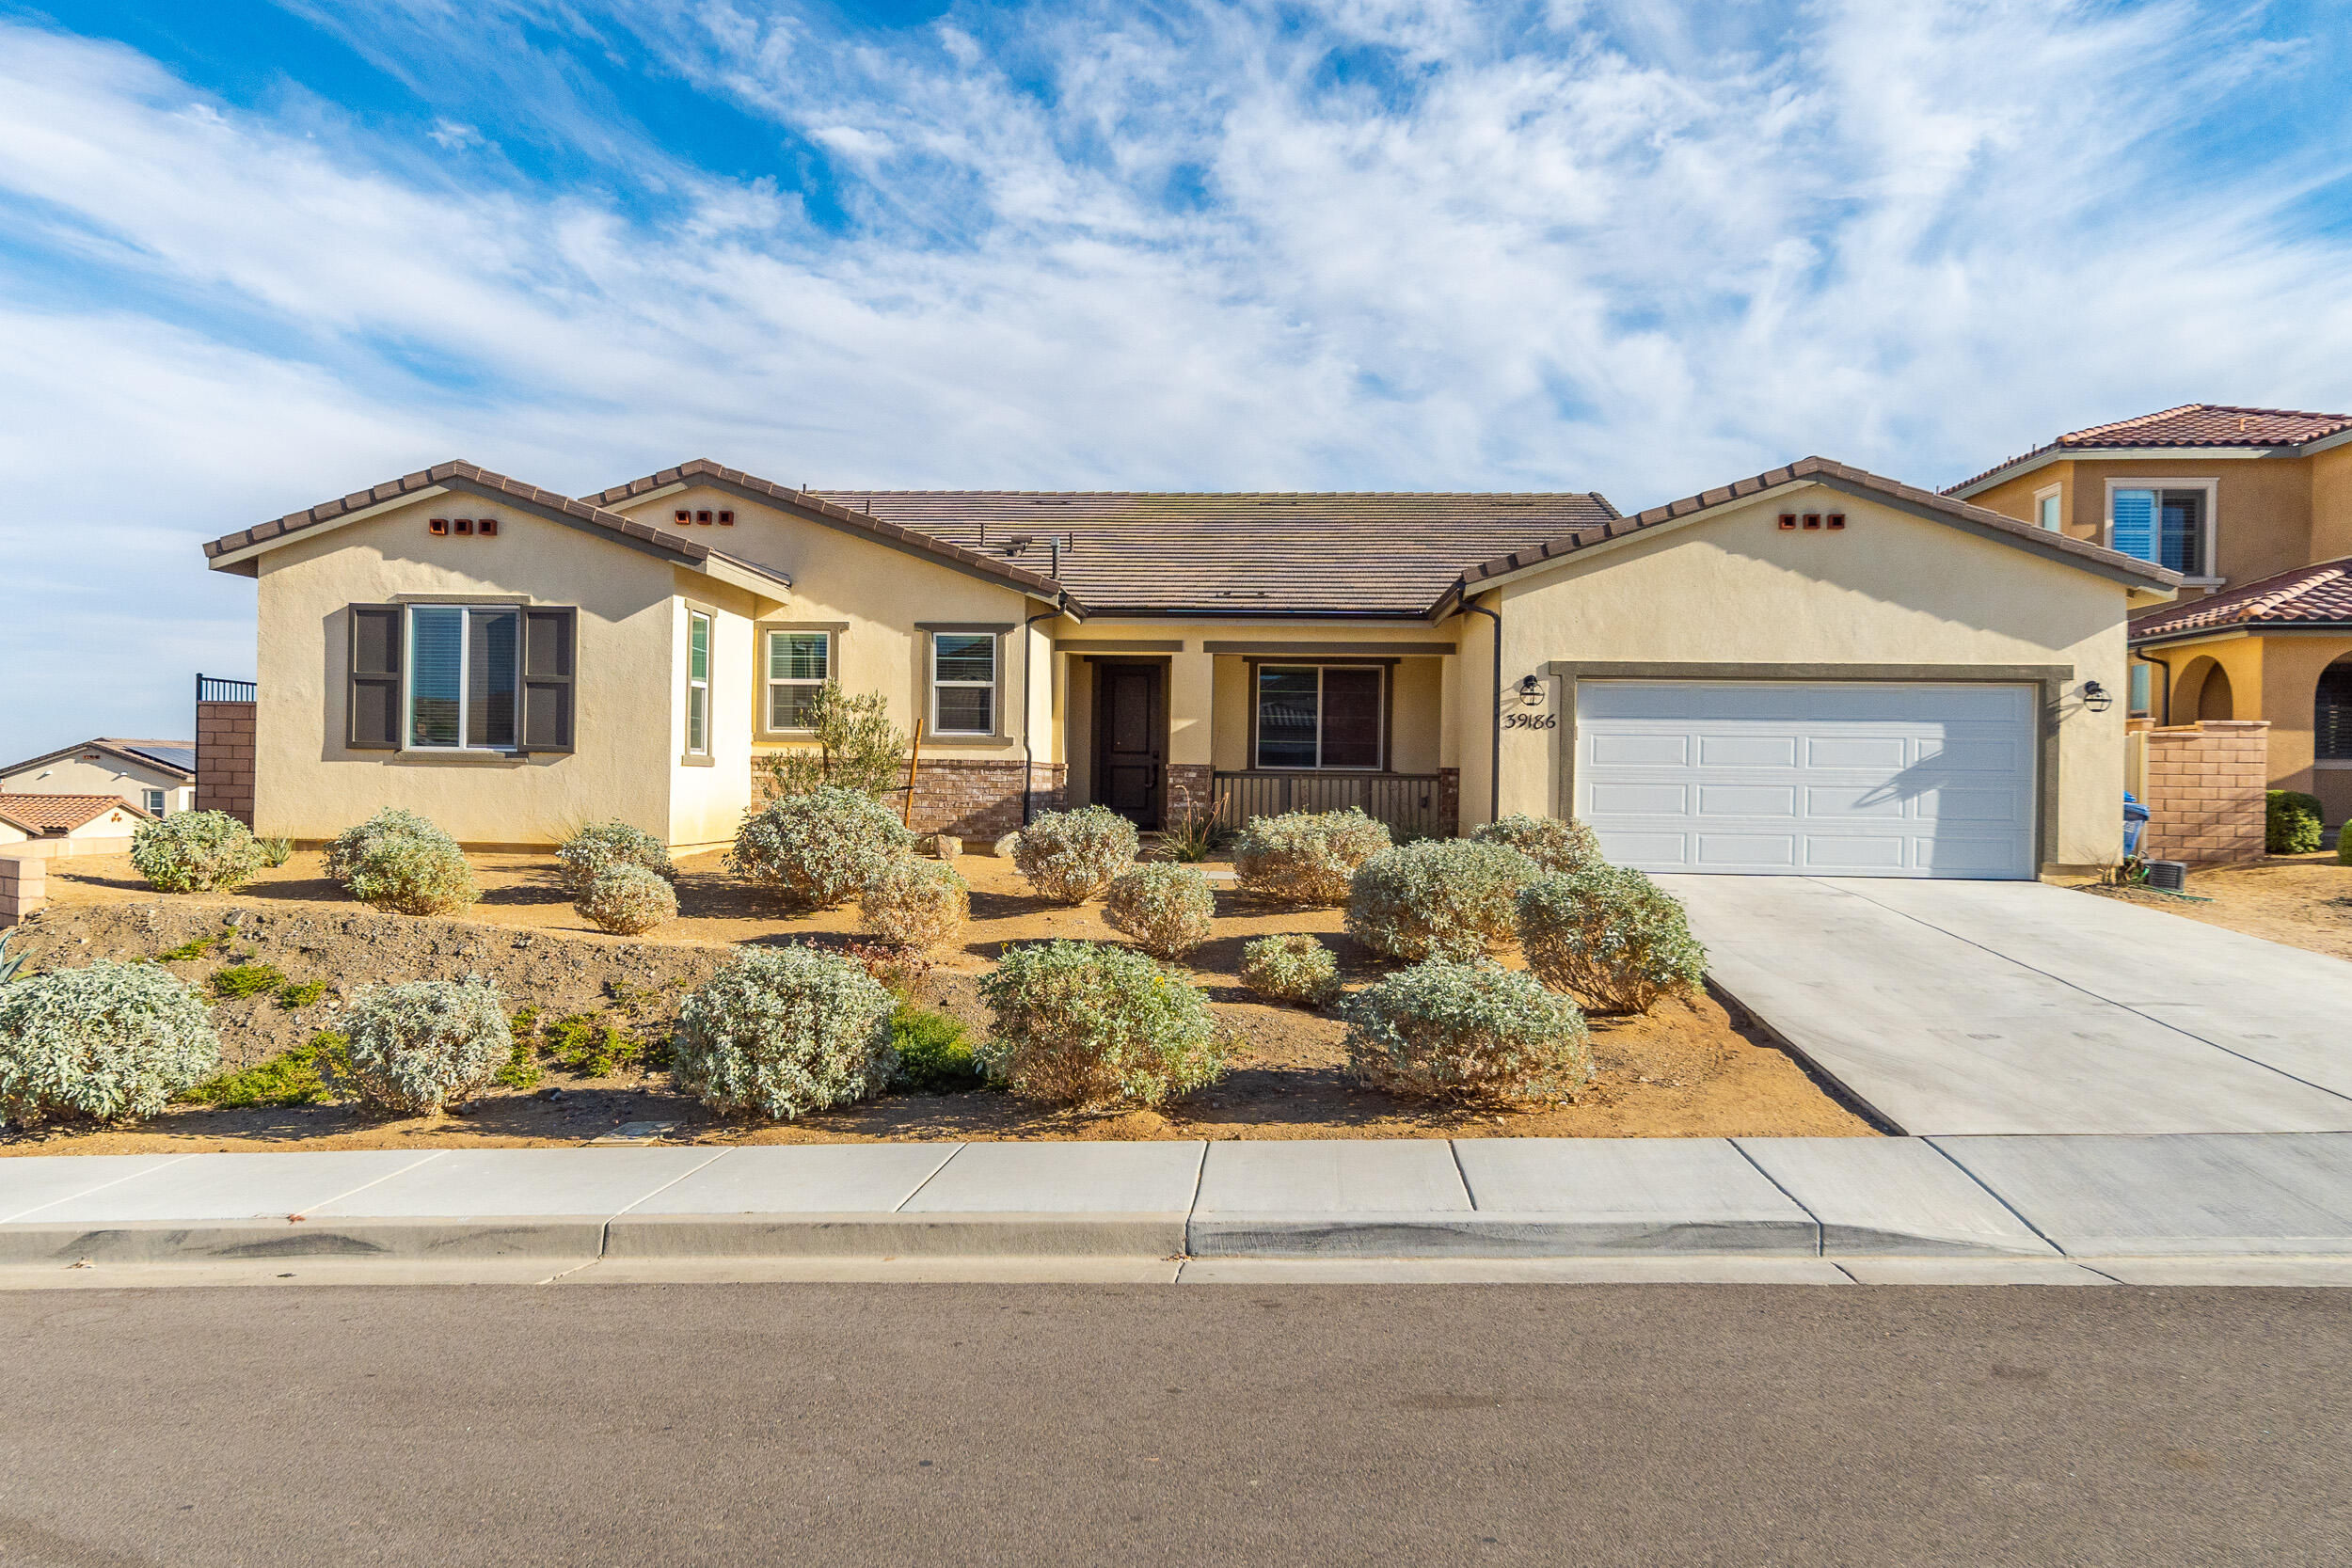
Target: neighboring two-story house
{"points": [[2253, 508], [157, 776]]}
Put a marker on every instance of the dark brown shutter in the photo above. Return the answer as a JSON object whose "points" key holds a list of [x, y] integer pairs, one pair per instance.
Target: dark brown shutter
{"points": [[371, 701], [548, 637]]}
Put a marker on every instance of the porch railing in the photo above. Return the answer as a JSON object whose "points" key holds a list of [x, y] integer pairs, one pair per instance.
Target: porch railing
{"points": [[212, 689], [1407, 802]]}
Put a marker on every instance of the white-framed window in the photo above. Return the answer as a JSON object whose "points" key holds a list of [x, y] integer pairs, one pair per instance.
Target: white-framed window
{"points": [[963, 683], [465, 677], [1320, 717], [697, 684], [2168, 521], [799, 664], [153, 800], [2046, 513]]}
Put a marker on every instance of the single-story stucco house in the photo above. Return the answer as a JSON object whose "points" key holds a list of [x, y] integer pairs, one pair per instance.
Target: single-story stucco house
{"points": [[1814, 669], [67, 824]]}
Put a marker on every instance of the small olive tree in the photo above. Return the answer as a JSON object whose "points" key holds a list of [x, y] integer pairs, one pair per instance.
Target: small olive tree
{"points": [[857, 747]]}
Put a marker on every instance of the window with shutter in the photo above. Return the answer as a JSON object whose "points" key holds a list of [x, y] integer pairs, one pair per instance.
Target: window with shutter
{"points": [[550, 636], [371, 701]]}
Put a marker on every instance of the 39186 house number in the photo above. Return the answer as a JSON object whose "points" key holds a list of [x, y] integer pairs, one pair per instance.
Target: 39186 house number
{"points": [[1530, 720]]}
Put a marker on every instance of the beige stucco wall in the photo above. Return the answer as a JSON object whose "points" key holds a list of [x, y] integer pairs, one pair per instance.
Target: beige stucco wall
{"points": [[2331, 503], [707, 798], [2264, 508], [1891, 589], [307, 785], [871, 597], [107, 775]]}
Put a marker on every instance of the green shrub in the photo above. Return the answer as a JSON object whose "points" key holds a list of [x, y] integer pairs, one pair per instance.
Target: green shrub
{"points": [[578, 858], [1554, 844], [1612, 936], [2292, 822], [1472, 1032], [521, 1070], [199, 947], [343, 851], [104, 1042], [626, 899], [1070, 855], [238, 981], [275, 851], [933, 1056], [303, 1075], [916, 903], [195, 851], [1306, 857], [293, 997], [1290, 969], [818, 847], [1166, 907], [855, 747], [1084, 1024], [1440, 898], [420, 1048], [782, 1031]]}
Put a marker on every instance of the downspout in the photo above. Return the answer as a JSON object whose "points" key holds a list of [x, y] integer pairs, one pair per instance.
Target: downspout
{"points": [[1494, 761], [1028, 731], [2165, 665]]}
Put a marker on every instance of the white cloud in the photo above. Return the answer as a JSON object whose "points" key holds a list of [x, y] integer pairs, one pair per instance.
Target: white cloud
{"points": [[1395, 244]]}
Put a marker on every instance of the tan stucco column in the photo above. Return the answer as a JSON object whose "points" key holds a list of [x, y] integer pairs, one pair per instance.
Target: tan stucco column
{"points": [[1191, 703]]}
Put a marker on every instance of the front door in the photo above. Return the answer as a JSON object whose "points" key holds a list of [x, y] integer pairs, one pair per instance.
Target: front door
{"points": [[1130, 741]]}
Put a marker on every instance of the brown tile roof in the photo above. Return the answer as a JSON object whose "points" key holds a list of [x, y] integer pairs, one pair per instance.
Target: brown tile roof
{"points": [[490, 487], [815, 504], [2192, 424], [1837, 476], [2318, 596], [1239, 554], [61, 813]]}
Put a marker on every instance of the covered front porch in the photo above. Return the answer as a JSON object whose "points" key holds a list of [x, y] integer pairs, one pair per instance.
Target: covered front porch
{"points": [[1167, 730]]}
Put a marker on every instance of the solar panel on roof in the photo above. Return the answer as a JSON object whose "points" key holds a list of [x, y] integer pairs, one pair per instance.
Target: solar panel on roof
{"points": [[180, 757]]}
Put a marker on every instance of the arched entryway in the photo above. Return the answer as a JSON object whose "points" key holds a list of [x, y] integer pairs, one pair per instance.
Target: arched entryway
{"points": [[2332, 713], [2205, 692]]}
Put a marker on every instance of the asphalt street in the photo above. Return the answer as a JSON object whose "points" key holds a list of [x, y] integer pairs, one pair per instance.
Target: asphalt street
{"points": [[1217, 1424]]}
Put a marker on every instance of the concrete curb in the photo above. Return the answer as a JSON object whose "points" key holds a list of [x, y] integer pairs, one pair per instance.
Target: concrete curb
{"points": [[1488, 1235], [865, 1235], [215, 1242]]}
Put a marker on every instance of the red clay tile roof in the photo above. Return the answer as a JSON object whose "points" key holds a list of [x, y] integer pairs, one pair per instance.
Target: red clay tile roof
{"points": [[821, 505], [1244, 553], [2192, 424], [491, 487], [61, 813], [2320, 595], [168, 756], [1837, 476]]}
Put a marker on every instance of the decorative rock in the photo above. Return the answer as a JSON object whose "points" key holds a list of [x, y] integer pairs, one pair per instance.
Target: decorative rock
{"points": [[1003, 846], [946, 846]]}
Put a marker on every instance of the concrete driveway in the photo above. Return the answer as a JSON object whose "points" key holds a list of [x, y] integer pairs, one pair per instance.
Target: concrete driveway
{"points": [[1964, 1008]]}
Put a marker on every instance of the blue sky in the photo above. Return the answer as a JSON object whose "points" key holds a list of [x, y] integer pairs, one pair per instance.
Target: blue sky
{"points": [[255, 255]]}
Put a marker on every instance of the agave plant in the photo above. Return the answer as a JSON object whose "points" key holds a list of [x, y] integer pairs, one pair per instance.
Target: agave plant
{"points": [[9, 966]]}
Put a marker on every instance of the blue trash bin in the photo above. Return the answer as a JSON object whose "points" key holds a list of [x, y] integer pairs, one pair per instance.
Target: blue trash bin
{"points": [[2134, 823]]}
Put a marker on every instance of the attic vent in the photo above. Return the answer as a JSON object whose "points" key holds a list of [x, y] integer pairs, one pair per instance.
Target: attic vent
{"points": [[1049, 501], [1515, 503], [1284, 501]]}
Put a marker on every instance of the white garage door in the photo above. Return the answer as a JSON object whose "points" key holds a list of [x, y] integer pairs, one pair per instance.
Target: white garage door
{"points": [[1810, 778]]}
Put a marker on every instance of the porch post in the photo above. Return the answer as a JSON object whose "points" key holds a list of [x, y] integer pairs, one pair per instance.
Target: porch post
{"points": [[1191, 733]]}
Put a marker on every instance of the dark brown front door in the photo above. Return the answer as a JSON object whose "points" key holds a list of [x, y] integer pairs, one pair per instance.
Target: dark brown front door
{"points": [[1130, 741]]}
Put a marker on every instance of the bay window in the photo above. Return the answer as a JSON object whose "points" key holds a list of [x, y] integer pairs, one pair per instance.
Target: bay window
{"points": [[1319, 716]]}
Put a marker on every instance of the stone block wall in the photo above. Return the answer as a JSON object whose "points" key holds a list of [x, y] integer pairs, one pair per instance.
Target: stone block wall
{"points": [[2204, 784], [24, 886], [1191, 788], [1449, 802], [223, 759]]}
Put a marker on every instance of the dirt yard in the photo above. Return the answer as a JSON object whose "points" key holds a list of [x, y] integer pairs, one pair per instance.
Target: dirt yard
{"points": [[2300, 901], [1687, 1070]]}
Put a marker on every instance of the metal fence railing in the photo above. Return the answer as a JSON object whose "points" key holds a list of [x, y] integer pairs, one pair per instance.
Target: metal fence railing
{"points": [[212, 689], [1407, 802]]}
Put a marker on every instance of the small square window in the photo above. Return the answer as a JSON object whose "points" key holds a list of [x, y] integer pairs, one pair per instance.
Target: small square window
{"points": [[727, 519], [703, 516], [438, 526], [489, 527], [461, 525], [682, 519]]}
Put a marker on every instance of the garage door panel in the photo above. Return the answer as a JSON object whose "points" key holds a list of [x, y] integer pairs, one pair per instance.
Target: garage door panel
{"points": [[1837, 777], [1746, 750], [1774, 800]]}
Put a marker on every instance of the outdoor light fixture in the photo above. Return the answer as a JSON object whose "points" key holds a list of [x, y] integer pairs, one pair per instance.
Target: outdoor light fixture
{"points": [[1531, 691], [2097, 697]]}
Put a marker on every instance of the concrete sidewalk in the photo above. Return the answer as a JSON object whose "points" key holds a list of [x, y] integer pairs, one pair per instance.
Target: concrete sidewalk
{"points": [[1953, 1008], [1830, 1208]]}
